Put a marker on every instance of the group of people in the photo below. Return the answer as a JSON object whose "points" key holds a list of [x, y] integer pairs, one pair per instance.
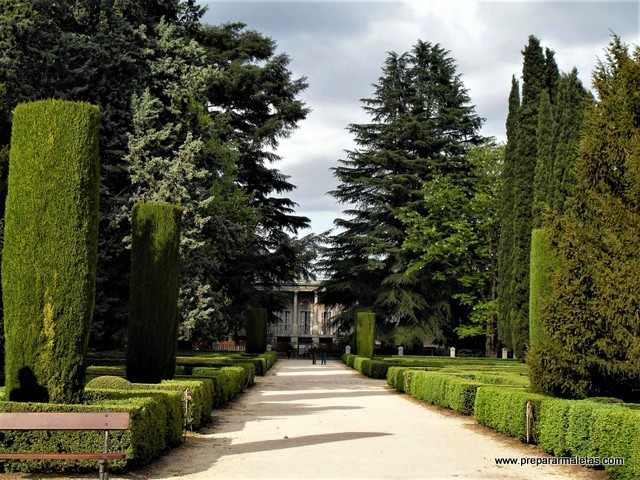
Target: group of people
{"points": [[312, 350], [323, 355]]}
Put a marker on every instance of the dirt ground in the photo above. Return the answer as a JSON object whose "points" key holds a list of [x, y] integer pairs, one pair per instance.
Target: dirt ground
{"points": [[305, 421], [329, 422]]}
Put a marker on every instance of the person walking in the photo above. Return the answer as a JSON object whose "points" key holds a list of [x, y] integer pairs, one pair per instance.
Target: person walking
{"points": [[313, 354], [323, 355]]}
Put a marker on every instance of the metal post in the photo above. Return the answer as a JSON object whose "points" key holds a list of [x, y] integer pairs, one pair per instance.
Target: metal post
{"points": [[104, 465], [529, 418]]}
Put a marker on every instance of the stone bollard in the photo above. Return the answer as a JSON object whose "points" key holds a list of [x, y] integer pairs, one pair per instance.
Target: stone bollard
{"points": [[400, 351], [452, 352], [268, 347], [505, 353], [348, 350]]}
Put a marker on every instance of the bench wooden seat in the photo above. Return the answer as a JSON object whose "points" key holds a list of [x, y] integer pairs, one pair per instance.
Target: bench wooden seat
{"points": [[99, 421]]}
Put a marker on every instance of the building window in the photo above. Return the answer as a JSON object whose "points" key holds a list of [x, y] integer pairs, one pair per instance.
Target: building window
{"points": [[305, 322]]}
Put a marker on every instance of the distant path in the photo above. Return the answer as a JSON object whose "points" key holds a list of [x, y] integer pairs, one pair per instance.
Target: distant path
{"points": [[306, 421]]}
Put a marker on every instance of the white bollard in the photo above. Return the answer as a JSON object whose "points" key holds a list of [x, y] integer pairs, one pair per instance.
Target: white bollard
{"points": [[348, 350], [452, 352], [268, 347], [505, 354], [400, 351]]}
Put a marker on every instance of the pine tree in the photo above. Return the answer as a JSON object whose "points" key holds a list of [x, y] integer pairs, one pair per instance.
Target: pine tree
{"points": [[422, 124], [505, 245], [593, 346]]}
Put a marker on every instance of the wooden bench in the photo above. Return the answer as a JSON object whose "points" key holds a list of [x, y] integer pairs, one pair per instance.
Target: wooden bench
{"points": [[102, 421]]}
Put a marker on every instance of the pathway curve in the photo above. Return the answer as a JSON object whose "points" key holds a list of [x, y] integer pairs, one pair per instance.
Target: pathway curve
{"points": [[329, 422]]}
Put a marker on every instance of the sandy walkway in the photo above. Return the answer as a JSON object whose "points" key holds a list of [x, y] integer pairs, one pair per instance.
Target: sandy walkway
{"points": [[310, 421]]}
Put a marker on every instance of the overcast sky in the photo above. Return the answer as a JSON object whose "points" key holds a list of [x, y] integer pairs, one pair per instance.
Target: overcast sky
{"points": [[339, 46]]}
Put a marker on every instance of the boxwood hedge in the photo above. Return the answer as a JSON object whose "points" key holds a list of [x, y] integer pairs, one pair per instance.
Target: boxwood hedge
{"points": [[144, 441]]}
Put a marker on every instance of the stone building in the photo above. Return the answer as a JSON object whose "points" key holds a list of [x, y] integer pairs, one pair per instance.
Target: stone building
{"points": [[303, 321]]}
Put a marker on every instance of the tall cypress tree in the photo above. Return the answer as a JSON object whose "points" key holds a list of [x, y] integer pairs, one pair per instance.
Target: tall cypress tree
{"points": [[505, 246], [591, 324], [542, 184], [533, 82], [573, 99]]}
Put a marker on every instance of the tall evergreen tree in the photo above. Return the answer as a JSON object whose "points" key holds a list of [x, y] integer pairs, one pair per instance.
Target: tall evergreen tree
{"points": [[591, 323], [533, 82], [422, 124], [544, 168], [573, 100], [505, 245]]}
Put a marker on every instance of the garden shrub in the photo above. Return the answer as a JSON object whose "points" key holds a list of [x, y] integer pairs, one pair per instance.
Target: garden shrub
{"points": [[228, 381], [365, 333], [50, 248], [505, 409], [591, 325], [395, 376], [444, 390], [202, 394], [144, 441], [172, 404], [154, 286], [542, 264], [93, 371], [256, 328], [108, 381], [252, 365]]}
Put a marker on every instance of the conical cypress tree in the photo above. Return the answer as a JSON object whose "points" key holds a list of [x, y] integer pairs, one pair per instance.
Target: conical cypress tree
{"points": [[533, 75], [552, 74], [505, 247], [542, 184], [153, 314], [571, 104], [50, 249], [591, 324]]}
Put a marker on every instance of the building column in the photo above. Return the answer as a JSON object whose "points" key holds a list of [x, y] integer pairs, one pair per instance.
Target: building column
{"points": [[294, 320]]}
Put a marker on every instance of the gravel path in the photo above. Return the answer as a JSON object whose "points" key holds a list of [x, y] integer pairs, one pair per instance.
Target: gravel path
{"points": [[329, 422]]}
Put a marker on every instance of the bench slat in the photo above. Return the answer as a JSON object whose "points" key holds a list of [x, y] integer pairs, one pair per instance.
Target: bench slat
{"points": [[64, 456], [64, 421]]}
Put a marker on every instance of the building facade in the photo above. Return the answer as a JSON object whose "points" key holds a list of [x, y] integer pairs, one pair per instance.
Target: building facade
{"points": [[303, 321]]}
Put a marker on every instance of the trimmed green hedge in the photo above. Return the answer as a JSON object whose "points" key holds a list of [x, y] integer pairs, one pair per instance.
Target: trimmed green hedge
{"points": [[50, 248], [365, 333], [542, 264], [396, 376], [505, 409], [154, 285], [173, 408], [252, 364], [444, 390], [579, 428], [144, 441]]}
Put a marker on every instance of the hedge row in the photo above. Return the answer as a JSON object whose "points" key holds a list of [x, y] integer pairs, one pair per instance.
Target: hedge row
{"points": [[367, 366], [447, 391], [145, 440], [578, 428]]}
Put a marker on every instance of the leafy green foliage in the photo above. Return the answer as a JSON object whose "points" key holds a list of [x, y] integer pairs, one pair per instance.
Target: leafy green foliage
{"points": [[422, 124], [452, 241], [542, 266], [365, 333], [444, 390], [151, 350], [144, 441], [593, 345], [50, 248]]}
